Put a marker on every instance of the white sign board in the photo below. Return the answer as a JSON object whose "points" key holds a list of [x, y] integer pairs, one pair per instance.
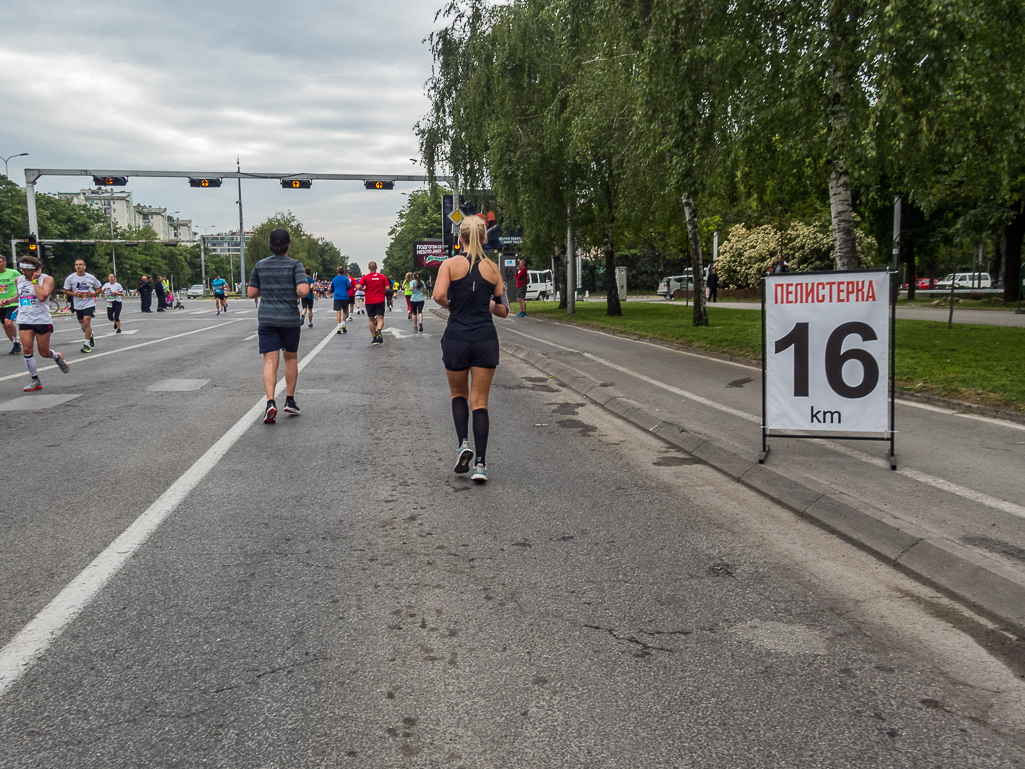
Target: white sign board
{"points": [[827, 343]]}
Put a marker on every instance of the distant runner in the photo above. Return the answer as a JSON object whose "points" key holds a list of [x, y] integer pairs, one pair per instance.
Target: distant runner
{"points": [[220, 287], [34, 327], [374, 284], [84, 287], [9, 303], [306, 303], [416, 302], [114, 292], [340, 286]]}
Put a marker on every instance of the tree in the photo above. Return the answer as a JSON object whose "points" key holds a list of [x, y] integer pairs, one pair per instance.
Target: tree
{"points": [[419, 219], [316, 253]]}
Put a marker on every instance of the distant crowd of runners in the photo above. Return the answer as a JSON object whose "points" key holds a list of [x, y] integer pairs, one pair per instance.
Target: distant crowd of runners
{"points": [[469, 286]]}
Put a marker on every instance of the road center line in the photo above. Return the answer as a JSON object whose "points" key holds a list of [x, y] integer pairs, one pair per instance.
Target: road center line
{"points": [[94, 356], [37, 636], [915, 475]]}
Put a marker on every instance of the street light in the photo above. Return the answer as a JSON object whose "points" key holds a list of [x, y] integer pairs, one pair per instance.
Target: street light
{"points": [[19, 155]]}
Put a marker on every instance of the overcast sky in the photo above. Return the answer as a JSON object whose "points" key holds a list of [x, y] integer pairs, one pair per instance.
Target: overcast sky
{"points": [[328, 87]]}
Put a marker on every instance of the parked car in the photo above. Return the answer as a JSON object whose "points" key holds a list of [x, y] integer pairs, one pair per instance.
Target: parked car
{"points": [[540, 285], [673, 283], [966, 280], [197, 291]]}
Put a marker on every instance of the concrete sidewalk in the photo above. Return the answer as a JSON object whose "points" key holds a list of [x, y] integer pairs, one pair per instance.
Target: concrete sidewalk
{"points": [[929, 520]]}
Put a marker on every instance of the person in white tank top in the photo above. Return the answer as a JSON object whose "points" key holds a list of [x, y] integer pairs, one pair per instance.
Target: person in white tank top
{"points": [[34, 327]]}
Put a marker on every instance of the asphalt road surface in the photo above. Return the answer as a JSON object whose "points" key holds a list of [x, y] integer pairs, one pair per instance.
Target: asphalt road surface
{"points": [[325, 592]]}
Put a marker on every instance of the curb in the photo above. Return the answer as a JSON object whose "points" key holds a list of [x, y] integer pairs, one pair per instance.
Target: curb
{"points": [[944, 566]]}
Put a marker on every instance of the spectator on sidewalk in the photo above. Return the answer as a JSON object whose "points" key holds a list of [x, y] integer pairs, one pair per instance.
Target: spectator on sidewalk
{"points": [[522, 280], [713, 284], [146, 294]]}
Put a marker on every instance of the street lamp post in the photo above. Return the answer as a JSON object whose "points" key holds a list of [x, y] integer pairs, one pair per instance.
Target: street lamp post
{"points": [[19, 155]]}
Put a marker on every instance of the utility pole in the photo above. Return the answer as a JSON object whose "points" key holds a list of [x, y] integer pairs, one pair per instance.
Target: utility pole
{"points": [[241, 238]]}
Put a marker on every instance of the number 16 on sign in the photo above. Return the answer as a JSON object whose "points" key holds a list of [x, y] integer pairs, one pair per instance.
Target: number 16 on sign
{"points": [[827, 345]]}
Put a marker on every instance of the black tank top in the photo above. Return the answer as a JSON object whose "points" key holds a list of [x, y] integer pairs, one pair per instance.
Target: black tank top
{"points": [[469, 308]]}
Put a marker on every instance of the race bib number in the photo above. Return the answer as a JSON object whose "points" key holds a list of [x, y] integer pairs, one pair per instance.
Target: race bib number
{"points": [[26, 301]]}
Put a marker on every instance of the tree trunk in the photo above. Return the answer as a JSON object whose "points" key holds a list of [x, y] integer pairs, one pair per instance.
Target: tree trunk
{"points": [[907, 245], [612, 305], [1013, 234], [842, 209], [694, 237], [560, 276]]}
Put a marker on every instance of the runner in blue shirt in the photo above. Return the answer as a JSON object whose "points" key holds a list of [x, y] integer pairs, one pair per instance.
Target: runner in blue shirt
{"points": [[340, 286], [220, 287]]}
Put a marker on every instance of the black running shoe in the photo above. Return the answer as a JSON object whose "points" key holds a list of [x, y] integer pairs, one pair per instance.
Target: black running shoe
{"points": [[291, 407], [271, 414], [92, 341]]}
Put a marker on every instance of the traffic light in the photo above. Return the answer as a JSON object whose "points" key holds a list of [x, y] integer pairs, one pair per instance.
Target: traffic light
{"points": [[204, 182], [379, 185], [297, 184], [110, 181], [33, 246], [45, 250]]}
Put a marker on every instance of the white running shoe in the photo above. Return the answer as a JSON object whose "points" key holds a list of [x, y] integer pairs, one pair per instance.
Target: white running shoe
{"points": [[480, 473]]}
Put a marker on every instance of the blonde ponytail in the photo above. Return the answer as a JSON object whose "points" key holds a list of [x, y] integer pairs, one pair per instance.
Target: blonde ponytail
{"points": [[473, 233]]}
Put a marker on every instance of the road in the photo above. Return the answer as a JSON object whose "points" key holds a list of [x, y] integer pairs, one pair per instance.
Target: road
{"points": [[326, 592]]}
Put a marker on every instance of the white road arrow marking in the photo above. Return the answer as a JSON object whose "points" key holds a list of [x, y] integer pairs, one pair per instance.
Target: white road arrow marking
{"points": [[400, 335]]}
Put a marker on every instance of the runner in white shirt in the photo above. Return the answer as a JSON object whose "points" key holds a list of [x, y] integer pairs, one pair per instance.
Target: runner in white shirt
{"points": [[84, 287], [34, 327], [114, 292]]}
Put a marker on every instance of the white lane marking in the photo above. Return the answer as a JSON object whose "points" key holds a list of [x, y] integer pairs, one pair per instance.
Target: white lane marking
{"points": [[177, 385], [400, 335], [35, 638], [915, 475], [78, 328], [35, 402], [251, 337], [94, 355], [976, 417]]}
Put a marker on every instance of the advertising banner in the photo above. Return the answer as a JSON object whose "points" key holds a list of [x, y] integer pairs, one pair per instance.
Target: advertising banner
{"points": [[827, 348], [429, 253]]}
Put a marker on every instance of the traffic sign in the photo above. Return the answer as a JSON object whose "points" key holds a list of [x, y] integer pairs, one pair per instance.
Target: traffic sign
{"points": [[456, 216]]}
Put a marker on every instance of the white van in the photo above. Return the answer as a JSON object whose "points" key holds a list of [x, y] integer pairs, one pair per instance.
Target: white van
{"points": [[540, 285], [966, 280]]}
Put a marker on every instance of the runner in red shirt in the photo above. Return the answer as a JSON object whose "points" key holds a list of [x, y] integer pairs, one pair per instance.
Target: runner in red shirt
{"points": [[375, 284]]}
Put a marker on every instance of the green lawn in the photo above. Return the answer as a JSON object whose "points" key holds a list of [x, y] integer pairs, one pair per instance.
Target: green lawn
{"points": [[981, 364]]}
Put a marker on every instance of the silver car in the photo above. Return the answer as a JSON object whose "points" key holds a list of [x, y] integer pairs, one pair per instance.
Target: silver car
{"points": [[197, 291]]}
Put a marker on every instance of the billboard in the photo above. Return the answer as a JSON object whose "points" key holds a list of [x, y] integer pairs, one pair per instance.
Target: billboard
{"points": [[428, 253]]}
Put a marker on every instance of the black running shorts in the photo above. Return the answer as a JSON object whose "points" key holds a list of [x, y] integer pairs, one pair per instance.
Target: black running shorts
{"points": [[459, 356], [274, 338], [418, 307], [90, 311], [5, 312], [39, 328], [114, 312], [341, 304], [373, 310], [307, 301]]}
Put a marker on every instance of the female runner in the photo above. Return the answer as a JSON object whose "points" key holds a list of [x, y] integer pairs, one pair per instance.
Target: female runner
{"points": [[471, 288]]}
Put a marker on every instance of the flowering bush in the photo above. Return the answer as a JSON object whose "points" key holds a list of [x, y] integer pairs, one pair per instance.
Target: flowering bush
{"points": [[747, 255]]}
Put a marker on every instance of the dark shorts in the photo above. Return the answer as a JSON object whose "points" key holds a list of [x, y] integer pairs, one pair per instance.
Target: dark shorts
{"points": [[459, 356], [375, 309], [39, 328], [218, 296], [417, 307], [5, 312], [113, 311], [307, 301], [87, 312], [274, 338], [341, 304], [521, 293]]}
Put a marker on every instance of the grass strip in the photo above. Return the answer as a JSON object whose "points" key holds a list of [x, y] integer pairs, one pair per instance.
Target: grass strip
{"points": [[974, 363]]}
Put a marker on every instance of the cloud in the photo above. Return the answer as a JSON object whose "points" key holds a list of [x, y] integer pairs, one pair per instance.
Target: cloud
{"points": [[334, 87]]}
